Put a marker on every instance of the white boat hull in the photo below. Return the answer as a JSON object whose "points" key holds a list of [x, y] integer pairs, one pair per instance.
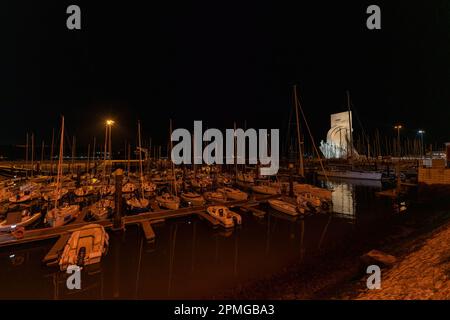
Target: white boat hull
{"points": [[348, 174]]}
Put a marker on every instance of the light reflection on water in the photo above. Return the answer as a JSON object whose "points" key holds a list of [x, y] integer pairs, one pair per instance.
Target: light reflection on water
{"points": [[190, 259]]}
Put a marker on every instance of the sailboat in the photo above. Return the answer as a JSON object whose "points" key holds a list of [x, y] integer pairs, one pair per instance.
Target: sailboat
{"points": [[233, 194], [25, 196], [285, 207], [193, 198], [84, 191], [167, 200], [102, 208], [59, 216], [266, 188], [140, 203], [215, 196]]}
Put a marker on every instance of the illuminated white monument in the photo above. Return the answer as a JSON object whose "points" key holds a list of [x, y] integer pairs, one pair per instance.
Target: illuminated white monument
{"points": [[338, 137]]}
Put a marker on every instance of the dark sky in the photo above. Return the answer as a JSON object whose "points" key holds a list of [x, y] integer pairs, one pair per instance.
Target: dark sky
{"points": [[221, 61]]}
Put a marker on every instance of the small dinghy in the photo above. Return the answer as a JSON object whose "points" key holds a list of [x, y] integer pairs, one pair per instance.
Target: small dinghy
{"points": [[138, 204], [128, 187], [193, 198], [168, 201], [60, 216], [85, 246], [215, 196], [233, 194], [226, 217], [18, 219], [101, 209], [285, 207]]}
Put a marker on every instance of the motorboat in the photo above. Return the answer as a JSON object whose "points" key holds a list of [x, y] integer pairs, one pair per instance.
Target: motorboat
{"points": [[85, 246], [14, 220], [226, 217]]}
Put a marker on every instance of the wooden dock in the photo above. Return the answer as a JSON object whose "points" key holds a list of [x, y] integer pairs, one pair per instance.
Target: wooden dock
{"points": [[148, 218]]}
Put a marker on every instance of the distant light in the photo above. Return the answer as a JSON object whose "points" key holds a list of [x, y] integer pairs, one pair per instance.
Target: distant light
{"points": [[420, 132], [109, 122], [399, 126], [12, 256]]}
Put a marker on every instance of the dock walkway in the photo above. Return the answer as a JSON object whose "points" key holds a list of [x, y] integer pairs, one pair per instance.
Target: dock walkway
{"points": [[6, 239]]}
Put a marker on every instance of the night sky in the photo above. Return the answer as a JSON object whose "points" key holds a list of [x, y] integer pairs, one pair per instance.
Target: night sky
{"points": [[220, 62]]}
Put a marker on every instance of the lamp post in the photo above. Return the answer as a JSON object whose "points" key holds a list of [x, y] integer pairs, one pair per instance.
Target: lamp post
{"points": [[398, 127], [421, 133], [109, 123]]}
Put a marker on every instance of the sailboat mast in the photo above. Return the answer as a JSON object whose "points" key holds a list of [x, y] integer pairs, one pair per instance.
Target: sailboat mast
{"points": [[300, 149], [140, 159], [351, 125], [60, 162], [51, 152], [235, 154], [173, 166]]}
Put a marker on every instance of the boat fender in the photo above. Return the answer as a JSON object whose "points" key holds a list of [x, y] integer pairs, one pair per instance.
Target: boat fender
{"points": [[18, 233]]}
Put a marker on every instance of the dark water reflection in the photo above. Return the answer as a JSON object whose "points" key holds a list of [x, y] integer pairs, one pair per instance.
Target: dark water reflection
{"points": [[192, 260]]}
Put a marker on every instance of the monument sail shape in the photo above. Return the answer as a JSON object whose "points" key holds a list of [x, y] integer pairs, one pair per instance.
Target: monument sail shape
{"points": [[338, 144]]}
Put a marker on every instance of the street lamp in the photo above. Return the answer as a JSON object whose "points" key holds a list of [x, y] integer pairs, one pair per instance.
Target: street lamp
{"points": [[109, 123], [398, 127], [421, 133]]}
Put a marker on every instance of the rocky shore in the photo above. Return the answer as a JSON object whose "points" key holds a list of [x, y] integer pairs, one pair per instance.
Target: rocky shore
{"points": [[420, 242], [421, 274]]}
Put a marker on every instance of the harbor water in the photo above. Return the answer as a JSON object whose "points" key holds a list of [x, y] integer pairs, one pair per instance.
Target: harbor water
{"points": [[191, 260]]}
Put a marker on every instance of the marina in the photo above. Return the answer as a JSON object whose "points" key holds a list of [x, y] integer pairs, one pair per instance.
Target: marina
{"points": [[224, 156]]}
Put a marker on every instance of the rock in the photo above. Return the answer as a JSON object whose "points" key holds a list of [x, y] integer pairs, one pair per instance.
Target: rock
{"points": [[376, 257]]}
